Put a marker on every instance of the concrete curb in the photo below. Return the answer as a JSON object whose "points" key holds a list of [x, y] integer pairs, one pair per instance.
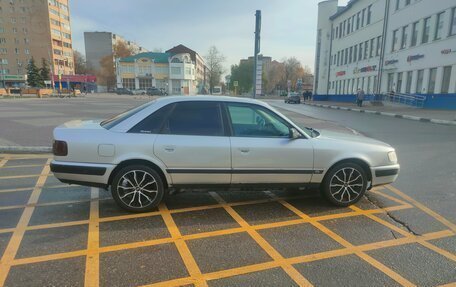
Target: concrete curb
{"points": [[415, 118], [25, 149]]}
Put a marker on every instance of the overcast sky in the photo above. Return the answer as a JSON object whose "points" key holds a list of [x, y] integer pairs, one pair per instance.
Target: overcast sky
{"points": [[288, 26]]}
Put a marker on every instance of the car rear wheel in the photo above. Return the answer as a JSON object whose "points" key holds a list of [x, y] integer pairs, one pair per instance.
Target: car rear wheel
{"points": [[344, 184], [137, 188]]}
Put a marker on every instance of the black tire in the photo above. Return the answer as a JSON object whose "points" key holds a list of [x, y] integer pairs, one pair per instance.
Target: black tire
{"points": [[344, 190], [137, 188]]}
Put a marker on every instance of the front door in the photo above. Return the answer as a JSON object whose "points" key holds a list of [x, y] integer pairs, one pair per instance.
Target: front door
{"points": [[262, 150], [193, 144]]}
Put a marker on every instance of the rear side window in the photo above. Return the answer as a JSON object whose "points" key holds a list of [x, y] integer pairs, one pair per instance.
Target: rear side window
{"points": [[153, 123], [195, 118], [111, 122]]}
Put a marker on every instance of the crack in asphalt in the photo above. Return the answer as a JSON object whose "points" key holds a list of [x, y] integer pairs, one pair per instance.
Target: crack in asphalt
{"points": [[395, 219]]}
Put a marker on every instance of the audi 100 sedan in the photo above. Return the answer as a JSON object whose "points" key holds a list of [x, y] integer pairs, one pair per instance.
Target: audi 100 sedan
{"points": [[210, 141]]}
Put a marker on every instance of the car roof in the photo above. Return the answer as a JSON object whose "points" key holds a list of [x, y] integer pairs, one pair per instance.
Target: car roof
{"points": [[174, 99]]}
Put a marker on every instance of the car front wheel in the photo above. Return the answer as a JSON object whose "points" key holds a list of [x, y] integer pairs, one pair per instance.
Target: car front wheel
{"points": [[137, 188], [344, 184]]}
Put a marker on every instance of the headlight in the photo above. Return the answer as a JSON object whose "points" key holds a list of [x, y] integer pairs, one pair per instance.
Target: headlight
{"points": [[392, 156]]}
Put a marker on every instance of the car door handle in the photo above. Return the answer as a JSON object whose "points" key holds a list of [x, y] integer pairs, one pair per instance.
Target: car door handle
{"points": [[244, 149], [169, 148]]}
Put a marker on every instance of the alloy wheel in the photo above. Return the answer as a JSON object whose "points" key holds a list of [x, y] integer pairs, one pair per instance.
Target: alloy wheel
{"points": [[137, 189], [346, 185]]}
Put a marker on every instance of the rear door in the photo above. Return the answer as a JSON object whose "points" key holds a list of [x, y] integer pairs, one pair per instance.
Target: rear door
{"points": [[262, 150], [193, 144]]}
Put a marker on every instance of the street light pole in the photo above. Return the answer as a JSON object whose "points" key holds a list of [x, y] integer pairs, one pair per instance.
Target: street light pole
{"points": [[257, 48]]}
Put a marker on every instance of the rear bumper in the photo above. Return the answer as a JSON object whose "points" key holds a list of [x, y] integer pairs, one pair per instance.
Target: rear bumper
{"points": [[90, 174], [384, 174]]}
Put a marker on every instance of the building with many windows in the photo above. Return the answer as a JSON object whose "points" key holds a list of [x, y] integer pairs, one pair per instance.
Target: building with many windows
{"points": [[405, 46], [39, 29]]}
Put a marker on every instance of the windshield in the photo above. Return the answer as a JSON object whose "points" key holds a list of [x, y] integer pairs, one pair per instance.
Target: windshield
{"points": [[113, 121]]}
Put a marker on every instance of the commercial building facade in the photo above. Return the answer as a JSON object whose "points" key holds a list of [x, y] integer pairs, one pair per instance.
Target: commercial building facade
{"points": [[405, 46], [40, 29], [174, 73]]}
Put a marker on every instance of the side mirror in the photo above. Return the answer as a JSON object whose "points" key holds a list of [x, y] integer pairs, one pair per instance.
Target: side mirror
{"points": [[294, 134]]}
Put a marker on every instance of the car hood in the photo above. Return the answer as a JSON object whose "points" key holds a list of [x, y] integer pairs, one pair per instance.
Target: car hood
{"points": [[359, 139]]}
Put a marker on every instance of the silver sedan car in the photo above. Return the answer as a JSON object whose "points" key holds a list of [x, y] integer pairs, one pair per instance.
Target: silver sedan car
{"points": [[213, 141]]}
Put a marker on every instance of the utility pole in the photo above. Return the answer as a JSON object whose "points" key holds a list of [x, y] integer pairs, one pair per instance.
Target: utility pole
{"points": [[257, 48]]}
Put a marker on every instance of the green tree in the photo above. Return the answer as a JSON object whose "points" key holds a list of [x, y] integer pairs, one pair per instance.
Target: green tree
{"points": [[44, 70], [33, 75], [243, 74]]}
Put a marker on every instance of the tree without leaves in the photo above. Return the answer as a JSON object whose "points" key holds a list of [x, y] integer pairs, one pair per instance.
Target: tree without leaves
{"points": [[80, 64], [106, 75], [214, 60], [33, 75]]}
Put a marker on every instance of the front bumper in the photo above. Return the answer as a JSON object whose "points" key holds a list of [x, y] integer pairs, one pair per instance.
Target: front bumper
{"points": [[91, 174], [384, 174]]}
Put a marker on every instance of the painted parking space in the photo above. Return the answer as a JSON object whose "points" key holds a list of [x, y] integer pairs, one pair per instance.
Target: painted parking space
{"points": [[53, 234]]}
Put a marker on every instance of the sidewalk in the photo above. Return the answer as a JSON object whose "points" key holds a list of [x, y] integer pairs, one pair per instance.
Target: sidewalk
{"points": [[447, 117]]}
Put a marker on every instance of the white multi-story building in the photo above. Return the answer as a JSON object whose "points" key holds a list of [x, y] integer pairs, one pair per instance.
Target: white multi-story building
{"points": [[405, 46]]}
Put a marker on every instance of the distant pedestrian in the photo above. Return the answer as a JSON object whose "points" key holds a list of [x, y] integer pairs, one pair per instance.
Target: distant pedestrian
{"points": [[304, 95], [84, 89], [359, 98]]}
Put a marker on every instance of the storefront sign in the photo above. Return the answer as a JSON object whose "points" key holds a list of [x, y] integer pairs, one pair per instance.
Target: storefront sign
{"points": [[13, 77], [390, 62], [365, 69], [414, 57], [340, 73]]}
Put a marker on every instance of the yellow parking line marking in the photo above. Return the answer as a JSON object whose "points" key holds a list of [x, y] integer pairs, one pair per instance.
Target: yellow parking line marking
{"points": [[19, 166], [37, 259], [392, 198], [92, 270], [274, 254], [57, 225], [182, 247], [3, 161], [440, 251], [241, 270], [395, 276], [453, 284], [16, 189], [427, 210], [132, 245], [11, 207], [15, 241], [172, 283]]}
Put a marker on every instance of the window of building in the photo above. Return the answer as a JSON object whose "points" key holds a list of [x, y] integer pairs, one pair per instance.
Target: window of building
{"points": [[369, 14], [175, 70], [338, 57], [3, 51], [355, 53], [145, 83], [395, 41], [408, 84], [453, 22], [343, 28], [13, 20], [379, 46], [346, 56], [404, 37], [27, 51], [357, 20], [399, 82], [366, 47], [432, 78], [341, 57], [414, 34], [363, 13], [407, 2], [419, 81], [360, 54], [390, 82], [371, 48], [426, 30], [128, 83], [16, 51], [348, 26], [340, 30], [353, 23], [350, 60], [398, 2], [446, 79], [337, 32], [14, 30], [4, 61], [439, 26]]}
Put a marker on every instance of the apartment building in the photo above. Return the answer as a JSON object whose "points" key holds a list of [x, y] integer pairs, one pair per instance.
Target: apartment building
{"points": [[405, 46], [39, 29]]}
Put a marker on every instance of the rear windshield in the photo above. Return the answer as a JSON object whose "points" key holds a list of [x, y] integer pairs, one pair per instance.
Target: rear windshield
{"points": [[115, 120]]}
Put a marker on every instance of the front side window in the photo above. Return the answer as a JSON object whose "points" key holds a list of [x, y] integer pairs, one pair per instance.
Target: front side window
{"points": [[195, 118], [254, 121]]}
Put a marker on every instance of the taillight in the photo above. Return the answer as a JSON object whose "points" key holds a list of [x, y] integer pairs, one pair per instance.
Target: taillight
{"points": [[60, 148]]}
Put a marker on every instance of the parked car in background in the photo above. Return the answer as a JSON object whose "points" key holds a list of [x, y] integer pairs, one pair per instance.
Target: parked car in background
{"points": [[175, 142], [156, 92], [124, 91], [293, 98]]}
